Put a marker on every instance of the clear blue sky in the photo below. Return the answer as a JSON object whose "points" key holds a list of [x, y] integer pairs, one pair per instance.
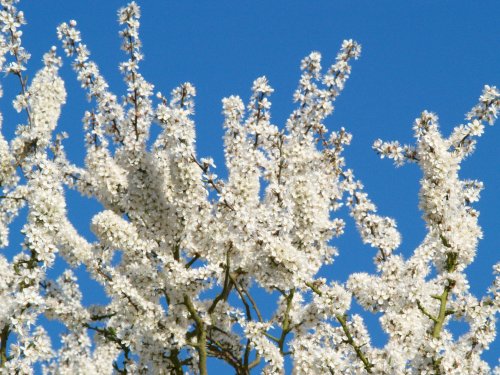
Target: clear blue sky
{"points": [[417, 55]]}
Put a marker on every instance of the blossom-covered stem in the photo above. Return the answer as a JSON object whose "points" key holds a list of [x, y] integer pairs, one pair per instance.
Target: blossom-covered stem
{"points": [[23, 81], [110, 279], [439, 321], [451, 263], [443, 312], [4, 336], [357, 348], [211, 182], [342, 319], [133, 83], [242, 293], [201, 335], [110, 335], [443, 298], [285, 328], [481, 115]]}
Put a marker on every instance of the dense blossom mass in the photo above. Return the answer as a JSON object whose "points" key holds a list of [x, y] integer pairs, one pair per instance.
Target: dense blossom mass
{"points": [[194, 247]]}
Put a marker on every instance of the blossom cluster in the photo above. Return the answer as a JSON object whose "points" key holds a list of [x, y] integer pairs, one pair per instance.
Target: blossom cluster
{"points": [[180, 251]]}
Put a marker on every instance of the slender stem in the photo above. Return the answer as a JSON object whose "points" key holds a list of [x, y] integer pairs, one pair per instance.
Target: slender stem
{"points": [[4, 336], [242, 291], [443, 298], [271, 337], [201, 335], [255, 362], [285, 328], [246, 355], [425, 312], [217, 349], [193, 259], [451, 265], [244, 295], [174, 357], [227, 286]]}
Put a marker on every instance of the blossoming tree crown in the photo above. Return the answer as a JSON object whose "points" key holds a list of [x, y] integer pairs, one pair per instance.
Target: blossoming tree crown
{"points": [[190, 240]]}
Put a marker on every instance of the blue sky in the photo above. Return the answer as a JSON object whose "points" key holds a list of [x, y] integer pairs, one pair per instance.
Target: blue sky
{"points": [[417, 55]]}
